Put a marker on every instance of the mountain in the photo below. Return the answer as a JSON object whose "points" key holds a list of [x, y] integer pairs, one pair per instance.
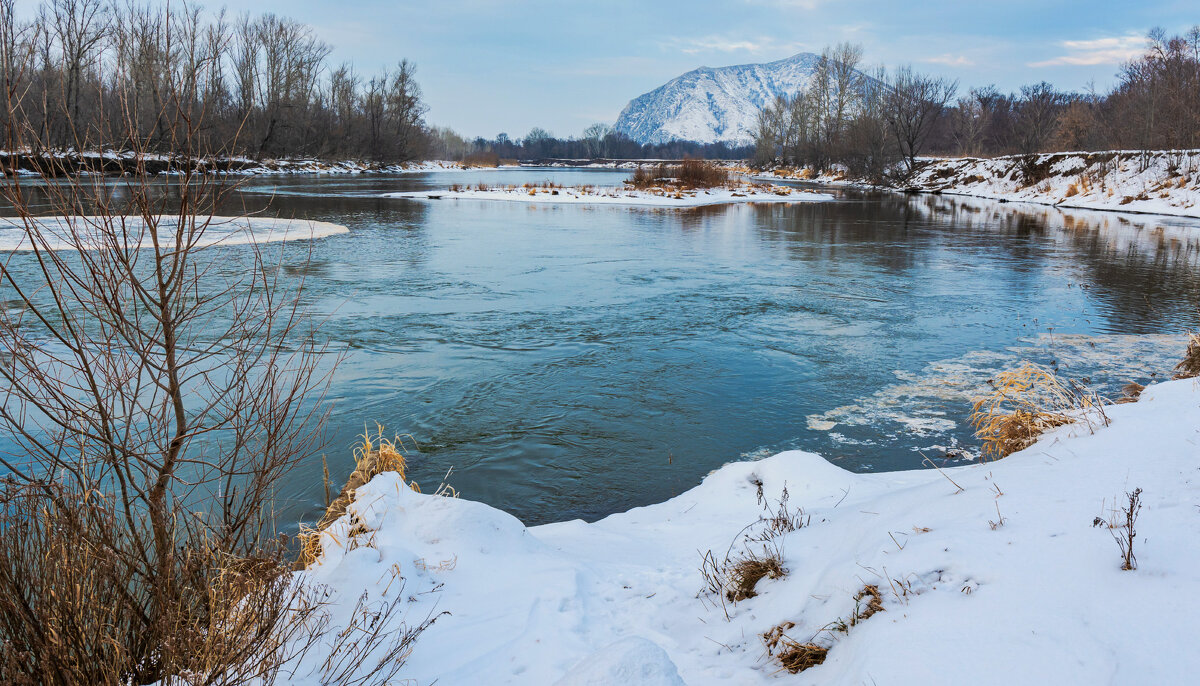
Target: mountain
{"points": [[709, 105]]}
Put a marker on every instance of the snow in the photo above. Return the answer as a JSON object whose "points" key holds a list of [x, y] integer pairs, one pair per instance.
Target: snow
{"points": [[709, 105], [245, 166], [220, 231], [619, 196], [991, 573], [631, 660], [1164, 182]]}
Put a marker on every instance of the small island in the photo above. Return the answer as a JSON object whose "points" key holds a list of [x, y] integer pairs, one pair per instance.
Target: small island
{"points": [[692, 183]]}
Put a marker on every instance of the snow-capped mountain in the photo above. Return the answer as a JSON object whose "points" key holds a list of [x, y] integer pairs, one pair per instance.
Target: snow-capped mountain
{"points": [[709, 105]]}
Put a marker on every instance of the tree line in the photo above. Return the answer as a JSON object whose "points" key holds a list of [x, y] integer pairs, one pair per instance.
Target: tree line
{"points": [[98, 74], [875, 122], [598, 141]]}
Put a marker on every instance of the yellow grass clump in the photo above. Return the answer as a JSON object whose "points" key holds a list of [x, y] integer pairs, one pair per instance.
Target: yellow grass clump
{"points": [[791, 654], [1190, 366], [1022, 405], [374, 455]]}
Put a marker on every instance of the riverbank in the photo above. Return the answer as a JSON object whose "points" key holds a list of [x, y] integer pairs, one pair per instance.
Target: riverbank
{"points": [[124, 163], [629, 196], [1156, 182], [993, 573]]}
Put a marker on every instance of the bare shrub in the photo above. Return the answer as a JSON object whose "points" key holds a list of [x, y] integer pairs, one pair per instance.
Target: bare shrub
{"points": [[158, 388], [689, 174], [481, 158], [1125, 533]]}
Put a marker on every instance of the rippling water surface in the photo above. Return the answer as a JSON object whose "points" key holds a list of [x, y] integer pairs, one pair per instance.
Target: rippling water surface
{"points": [[574, 361]]}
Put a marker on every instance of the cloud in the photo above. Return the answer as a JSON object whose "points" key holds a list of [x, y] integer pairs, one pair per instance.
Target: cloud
{"points": [[754, 46], [951, 60], [1112, 50]]}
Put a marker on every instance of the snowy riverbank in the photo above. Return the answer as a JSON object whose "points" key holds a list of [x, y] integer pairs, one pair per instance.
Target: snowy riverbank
{"points": [[1158, 182], [995, 573], [111, 163], [589, 195]]}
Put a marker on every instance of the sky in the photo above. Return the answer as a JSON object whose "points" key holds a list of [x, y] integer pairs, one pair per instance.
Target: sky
{"points": [[487, 67]]}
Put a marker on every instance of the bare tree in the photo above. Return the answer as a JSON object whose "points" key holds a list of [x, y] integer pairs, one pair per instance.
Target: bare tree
{"points": [[79, 26], [158, 385], [914, 103], [1037, 115], [595, 136]]}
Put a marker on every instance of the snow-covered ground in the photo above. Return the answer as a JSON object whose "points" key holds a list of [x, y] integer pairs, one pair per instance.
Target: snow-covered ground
{"points": [[996, 573], [622, 196], [113, 162], [1158, 182]]}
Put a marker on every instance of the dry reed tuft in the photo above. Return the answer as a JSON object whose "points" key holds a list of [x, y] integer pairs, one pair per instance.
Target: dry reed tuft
{"points": [[745, 574], [1022, 405], [870, 593], [373, 456], [1131, 392], [1190, 366], [793, 655]]}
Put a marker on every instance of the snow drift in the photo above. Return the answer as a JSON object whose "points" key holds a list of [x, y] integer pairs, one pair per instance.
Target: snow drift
{"points": [[995, 573]]}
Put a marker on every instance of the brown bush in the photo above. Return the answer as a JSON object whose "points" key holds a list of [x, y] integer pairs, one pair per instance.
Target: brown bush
{"points": [[689, 174], [483, 158]]}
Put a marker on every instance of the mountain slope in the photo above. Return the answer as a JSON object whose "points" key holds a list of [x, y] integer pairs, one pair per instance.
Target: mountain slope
{"points": [[710, 105]]}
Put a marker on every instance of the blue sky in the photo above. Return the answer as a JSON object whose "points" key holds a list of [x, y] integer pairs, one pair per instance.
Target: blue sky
{"points": [[492, 66]]}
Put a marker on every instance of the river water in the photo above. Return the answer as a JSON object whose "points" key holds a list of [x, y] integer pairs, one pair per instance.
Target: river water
{"points": [[573, 361]]}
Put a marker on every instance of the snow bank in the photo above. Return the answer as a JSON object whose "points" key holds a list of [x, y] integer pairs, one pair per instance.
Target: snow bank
{"points": [[620, 196], [220, 231], [1162, 182], [1158, 182], [1004, 580]]}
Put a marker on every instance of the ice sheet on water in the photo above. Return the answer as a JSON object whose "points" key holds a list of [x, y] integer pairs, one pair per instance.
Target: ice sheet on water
{"points": [[87, 232]]}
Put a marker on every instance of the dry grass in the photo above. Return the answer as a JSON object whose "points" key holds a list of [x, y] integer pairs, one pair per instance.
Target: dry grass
{"points": [[1189, 368], [1072, 191], [1131, 392], [1024, 404], [373, 456], [743, 576], [867, 602], [793, 655], [874, 603]]}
